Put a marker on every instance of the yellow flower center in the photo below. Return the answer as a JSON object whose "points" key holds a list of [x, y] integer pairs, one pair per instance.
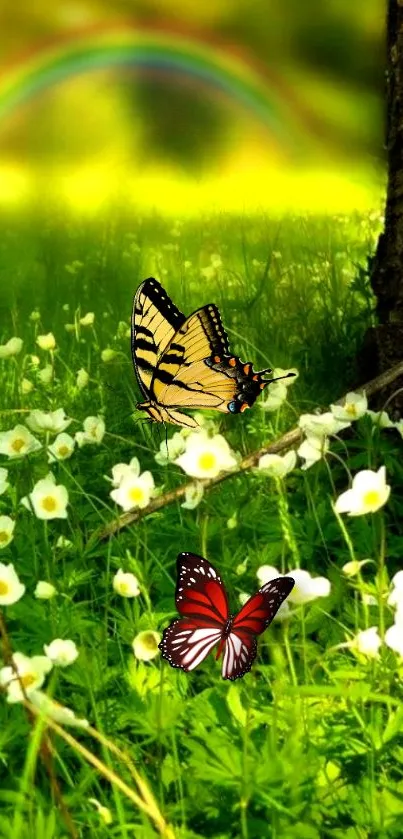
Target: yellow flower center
{"points": [[17, 444], [28, 680], [4, 536], [371, 498], [49, 503], [136, 494], [351, 409], [4, 588], [63, 450], [148, 641], [124, 588], [207, 461]]}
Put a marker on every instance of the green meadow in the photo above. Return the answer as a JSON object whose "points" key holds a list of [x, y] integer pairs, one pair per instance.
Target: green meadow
{"points": [[309, 744]]}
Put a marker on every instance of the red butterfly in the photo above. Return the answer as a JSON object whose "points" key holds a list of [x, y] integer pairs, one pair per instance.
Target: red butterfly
{"points": [[202, 601]]}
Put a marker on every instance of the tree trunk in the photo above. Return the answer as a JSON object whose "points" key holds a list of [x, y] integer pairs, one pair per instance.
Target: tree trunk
{"points": [[383, 344]]}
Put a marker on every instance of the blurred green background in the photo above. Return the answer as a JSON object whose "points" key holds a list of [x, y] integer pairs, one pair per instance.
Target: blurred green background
{"points": [[184, 106]]}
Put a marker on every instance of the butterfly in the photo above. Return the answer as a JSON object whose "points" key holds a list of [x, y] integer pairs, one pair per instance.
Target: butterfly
{"points": [[185, 362], [202, 602]]}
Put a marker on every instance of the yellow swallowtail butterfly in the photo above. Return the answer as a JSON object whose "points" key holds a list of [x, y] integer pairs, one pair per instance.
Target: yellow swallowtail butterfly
{"points": [[185, 362]]}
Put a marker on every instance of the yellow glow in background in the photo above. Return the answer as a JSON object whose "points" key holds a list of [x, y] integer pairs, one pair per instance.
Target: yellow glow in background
{"points": [[98, 139]]}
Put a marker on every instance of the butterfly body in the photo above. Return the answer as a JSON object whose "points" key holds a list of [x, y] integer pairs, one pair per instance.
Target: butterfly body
{"points": [[185, 362], [205, 620]]}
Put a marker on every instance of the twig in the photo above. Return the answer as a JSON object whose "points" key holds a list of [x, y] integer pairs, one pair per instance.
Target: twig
{"points": [[291, 438]]}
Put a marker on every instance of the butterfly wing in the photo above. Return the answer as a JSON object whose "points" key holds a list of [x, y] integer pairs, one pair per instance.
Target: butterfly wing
{"points": [[254, 617], [202, 601], [197, 371], [182, 378], [155, 320]]}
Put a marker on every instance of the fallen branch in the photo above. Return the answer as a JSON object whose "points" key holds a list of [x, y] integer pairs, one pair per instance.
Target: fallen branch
{"points": [[291, 438]]}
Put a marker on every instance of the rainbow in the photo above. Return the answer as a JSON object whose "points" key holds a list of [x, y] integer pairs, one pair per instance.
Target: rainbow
{"points": [[207, 65]]}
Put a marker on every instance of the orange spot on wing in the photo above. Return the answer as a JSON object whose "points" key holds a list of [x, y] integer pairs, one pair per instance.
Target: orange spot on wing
{"points": [[232, 362], [262, 385], [246, 369], [243, 407], [217, 359], [255, 378]]}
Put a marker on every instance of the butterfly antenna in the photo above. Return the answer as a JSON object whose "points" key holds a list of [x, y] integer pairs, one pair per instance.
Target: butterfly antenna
{"points": [[270, 381]]}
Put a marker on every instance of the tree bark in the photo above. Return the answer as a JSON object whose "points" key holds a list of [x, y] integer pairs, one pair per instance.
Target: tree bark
{"points": [[383, 344]]}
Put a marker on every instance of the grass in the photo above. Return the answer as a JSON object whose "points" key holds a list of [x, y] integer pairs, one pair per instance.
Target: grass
{"points": [[309, 744]]}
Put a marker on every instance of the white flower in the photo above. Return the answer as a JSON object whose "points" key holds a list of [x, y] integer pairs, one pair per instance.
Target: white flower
{"points": [[48, 500], [62, 448], [61, 652], [367, 642], [35, 315], [46, 342], [266, 573], [368, 494], [369, 599], [88, 319], [193, 495], [103, 812], [145, 645], [31, 672], [307, 588], [232, 522], [382, 419], [44, 590], [108, 355], [243, 597], [350, 569], [56, 712], [94, 430], [354, 407], [394, 638], [396, 595], [134, 491], [312, 450], [125, 470], [82, 378], [206, 457], [54, 421], [126, 584], [276, 465], [26, 386], [12, 347], [46, 374], [171, 449], [276, 395], [4, 485], [18, 442], [63, 543], [7, 526], [11, 589], [321, 425], [34, 360]]}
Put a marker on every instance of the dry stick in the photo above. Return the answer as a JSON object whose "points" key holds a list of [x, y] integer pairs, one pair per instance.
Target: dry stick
{"points": [[291, 438]]}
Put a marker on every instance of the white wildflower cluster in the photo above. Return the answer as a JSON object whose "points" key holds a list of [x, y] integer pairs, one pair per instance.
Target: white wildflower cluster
{"points": [[306, 588], [319, 427]]}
